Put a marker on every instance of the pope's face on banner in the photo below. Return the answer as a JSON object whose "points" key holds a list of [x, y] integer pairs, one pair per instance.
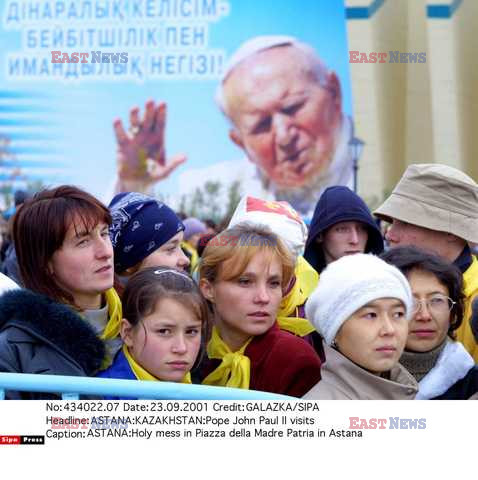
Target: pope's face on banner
{"points": [[284, 119]]}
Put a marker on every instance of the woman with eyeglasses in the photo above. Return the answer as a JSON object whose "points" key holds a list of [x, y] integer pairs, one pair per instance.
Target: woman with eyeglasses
{"points": [[441, 366]]}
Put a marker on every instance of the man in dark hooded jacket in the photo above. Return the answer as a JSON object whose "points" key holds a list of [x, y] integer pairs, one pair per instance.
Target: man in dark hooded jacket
{"points": [[342, 225]]}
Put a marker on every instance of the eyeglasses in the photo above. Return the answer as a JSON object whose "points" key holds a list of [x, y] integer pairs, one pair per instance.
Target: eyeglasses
{"points": [[438, 304]]}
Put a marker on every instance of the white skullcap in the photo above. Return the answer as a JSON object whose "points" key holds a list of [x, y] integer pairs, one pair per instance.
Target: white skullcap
{"points": [[280, 217], [348, 284], [255, 45]]}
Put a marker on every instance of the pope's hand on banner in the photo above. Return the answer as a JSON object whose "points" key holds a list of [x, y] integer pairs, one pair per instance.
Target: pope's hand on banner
{"points": [[141, 150]]}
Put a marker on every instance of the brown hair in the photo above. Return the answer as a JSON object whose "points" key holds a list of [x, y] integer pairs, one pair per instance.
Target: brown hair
{"points": [[39, 230], [149, 286], [227, 255]]}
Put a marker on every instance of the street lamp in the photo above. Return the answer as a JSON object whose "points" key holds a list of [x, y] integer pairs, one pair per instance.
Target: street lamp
{"points": [[356, 145]]}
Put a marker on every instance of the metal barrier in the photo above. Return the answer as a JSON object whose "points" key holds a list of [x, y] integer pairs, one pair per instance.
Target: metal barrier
{"points": [[71, 388]]}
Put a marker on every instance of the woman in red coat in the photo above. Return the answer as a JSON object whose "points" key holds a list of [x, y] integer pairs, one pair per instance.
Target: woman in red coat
{"points": [[243, 274]]}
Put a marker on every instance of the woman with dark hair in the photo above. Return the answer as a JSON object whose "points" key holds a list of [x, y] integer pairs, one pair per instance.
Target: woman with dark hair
{"points": [[66, 321], [442, 366]]}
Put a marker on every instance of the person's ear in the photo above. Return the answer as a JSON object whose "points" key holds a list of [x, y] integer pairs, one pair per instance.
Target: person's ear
{"points": [[236, 137], [450, 238], [126, 330], [319, 238], [207, 289], [333, 86]]}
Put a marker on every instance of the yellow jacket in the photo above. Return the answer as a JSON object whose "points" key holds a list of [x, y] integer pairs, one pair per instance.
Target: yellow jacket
{"points": [[464, 334]]}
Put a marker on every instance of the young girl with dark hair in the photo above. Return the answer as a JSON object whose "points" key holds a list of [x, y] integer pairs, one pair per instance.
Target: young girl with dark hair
{"points": [[165, 317]]}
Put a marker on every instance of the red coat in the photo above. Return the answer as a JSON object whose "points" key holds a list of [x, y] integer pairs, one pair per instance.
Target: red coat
{"points": [[280, 363]]}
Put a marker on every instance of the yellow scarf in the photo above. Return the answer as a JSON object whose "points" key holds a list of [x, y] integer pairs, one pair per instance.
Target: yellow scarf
{"points": [[115, 314], [235, 368], [306, 281], [194, 255], [464, 333], [141, 374]]}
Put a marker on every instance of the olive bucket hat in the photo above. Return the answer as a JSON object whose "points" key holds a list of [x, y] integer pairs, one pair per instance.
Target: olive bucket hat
{"points": [[437, 197]]}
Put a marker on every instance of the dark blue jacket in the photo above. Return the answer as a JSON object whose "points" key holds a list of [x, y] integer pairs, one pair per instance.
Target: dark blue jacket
{"points": [[120, 368], [339, 204], [464, 388]]}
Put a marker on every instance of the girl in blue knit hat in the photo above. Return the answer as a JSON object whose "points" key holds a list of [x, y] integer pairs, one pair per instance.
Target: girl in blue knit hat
{"points": [[145, 233]]}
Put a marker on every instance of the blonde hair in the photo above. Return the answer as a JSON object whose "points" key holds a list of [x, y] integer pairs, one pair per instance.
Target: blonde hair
{"points": [[227, 255]]}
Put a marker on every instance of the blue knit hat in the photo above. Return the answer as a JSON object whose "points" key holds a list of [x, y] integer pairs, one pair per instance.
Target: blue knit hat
{"points": [[140, 225]]}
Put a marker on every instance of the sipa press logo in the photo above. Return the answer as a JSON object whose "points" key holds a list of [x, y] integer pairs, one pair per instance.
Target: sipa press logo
{"points": [[22, 439]]}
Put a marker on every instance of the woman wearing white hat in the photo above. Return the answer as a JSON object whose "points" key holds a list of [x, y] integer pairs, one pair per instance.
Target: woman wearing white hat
{"points": [[362, 308], [286, 223]]}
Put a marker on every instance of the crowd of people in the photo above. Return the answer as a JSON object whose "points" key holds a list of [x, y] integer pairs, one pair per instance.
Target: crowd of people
{"points": [[353, 305], [334, 310]]}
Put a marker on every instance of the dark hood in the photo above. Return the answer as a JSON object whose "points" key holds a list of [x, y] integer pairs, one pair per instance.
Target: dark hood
{"points": [[339, 204]]}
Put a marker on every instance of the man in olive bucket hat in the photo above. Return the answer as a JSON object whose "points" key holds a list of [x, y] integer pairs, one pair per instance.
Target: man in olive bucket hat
{"points": [[435, 207]]}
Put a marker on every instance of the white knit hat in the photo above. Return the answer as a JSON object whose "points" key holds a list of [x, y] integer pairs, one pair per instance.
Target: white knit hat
{"points": [[280, 217], [348, 284]]}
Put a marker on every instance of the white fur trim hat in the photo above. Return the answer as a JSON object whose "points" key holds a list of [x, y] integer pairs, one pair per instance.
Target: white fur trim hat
{"points": [[348, 284]]}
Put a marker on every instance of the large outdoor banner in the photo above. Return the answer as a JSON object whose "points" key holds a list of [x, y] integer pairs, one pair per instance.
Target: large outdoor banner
{"points": [[196, 101]]}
